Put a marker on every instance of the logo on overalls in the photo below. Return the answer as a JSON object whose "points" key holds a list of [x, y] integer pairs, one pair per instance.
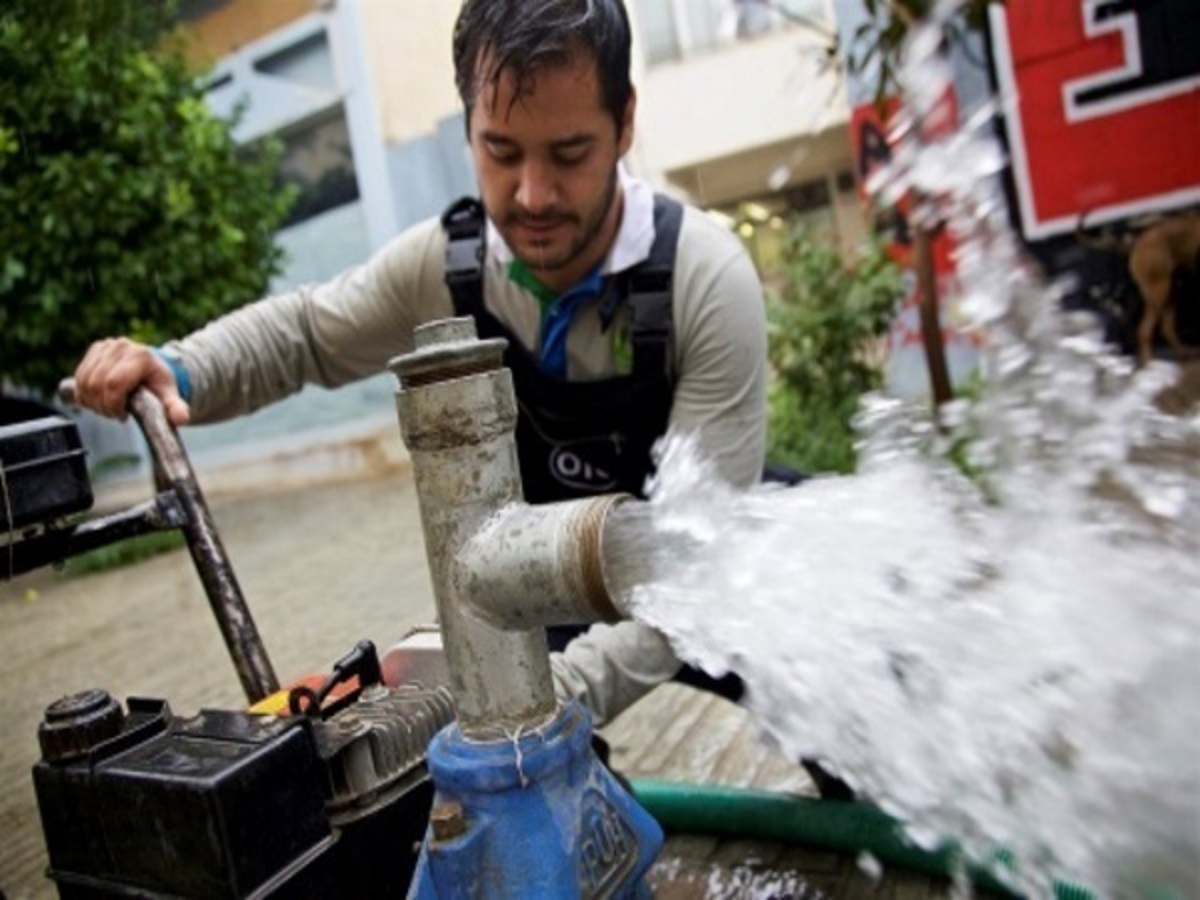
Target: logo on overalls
{"points": [[607, 847], [572, 468]]}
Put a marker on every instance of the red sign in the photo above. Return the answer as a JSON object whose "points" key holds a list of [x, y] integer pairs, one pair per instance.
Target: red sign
{"points": [[1104, 107]]}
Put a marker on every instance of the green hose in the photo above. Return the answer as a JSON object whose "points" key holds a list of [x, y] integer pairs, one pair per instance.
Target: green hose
{"points": [[846, 826]]}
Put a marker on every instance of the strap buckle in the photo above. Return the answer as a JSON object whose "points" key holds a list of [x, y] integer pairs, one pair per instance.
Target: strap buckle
{"points": [[464, 258]]}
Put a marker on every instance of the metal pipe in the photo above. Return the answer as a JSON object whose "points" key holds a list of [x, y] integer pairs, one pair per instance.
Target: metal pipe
{"points": [[55, 545], [208, 552], [532, 566], [502, 570], [458, 414], [173, 472]]}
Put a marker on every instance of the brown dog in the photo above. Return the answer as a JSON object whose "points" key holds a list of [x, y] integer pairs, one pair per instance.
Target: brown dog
{"points": [[1156, 254]]}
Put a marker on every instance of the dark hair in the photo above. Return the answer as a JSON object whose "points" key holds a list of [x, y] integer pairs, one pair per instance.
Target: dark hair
{"points": [[523, 37]]}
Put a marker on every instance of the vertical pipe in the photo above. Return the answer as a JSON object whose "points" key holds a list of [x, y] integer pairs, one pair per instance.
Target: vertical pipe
{"points": [[458, 414]]}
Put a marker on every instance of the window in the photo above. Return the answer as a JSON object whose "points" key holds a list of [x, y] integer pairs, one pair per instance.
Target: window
{"points": [[658, 31], [190, 10], [796, 10], [750, 18], [307, 62], [317, 159], [710, 23], [754, 17], [672, 29], [286, 85]]}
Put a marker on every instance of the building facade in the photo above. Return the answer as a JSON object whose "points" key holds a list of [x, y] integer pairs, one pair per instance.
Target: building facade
{"points": [[738, 113]]}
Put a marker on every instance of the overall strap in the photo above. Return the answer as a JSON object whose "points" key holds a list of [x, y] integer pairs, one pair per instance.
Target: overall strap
{"points": [[649, 296], [647, 285], [465, 227]]}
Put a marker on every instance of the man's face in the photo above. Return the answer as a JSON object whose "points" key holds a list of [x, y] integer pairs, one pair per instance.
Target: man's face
{"points": [[547, 167]]}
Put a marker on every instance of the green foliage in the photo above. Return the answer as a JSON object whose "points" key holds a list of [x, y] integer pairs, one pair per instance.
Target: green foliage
{"points": [[825, 321], [125, 207], [123, 553]]}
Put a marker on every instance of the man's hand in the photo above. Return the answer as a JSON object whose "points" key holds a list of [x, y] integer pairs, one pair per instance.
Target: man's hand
{"points": [[113, 369]]}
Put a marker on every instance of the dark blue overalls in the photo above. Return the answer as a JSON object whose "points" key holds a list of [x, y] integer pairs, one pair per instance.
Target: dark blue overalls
{"points": [[582, 438]]}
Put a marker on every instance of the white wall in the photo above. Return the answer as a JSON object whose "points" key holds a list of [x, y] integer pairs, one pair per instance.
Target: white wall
{"points": [[407, 49], [747, 95]]}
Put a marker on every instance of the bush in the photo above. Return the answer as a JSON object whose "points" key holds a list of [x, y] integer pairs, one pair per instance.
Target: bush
{"points": [[826, 320], [125, 207]]}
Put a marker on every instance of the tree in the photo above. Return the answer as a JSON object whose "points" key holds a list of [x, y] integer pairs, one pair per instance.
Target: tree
{"points": [[125, 206], [825, 319], [876, 46]]}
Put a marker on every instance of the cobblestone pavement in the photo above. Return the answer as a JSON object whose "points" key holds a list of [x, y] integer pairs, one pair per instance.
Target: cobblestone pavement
{"points": [[321, 567]]}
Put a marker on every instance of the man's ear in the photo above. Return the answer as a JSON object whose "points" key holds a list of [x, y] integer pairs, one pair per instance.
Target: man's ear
{"points": [[625, 138]]}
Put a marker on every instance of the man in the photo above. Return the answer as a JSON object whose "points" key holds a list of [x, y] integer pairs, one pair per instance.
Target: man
{"points": [[625, 313]]}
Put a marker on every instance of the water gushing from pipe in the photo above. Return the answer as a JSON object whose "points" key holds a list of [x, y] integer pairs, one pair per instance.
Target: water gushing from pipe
{"points": [[1008, 660]]}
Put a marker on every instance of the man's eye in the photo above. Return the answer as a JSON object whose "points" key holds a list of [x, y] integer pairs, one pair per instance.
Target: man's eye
{"points": [[501, 154], [570, 157]]}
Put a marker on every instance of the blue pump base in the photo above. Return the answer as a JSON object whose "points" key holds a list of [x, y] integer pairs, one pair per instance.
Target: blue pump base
{"points": [[541, 817]]}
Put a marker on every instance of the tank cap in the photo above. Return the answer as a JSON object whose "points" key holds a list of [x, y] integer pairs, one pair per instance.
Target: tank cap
{"points": [[73, 725]]}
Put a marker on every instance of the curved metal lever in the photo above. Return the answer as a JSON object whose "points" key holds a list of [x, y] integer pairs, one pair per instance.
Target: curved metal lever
{"points": [[173, 472]]}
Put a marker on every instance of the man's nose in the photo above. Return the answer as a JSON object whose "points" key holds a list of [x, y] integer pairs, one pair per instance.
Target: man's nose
{"points": [[536, 191]]}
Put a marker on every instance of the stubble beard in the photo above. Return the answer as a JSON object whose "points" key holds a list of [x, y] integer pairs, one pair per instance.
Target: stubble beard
{"points": [[537, 261]]}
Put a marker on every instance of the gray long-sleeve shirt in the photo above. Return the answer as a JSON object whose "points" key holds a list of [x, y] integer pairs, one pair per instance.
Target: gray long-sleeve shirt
{"points": [[350, 327]]}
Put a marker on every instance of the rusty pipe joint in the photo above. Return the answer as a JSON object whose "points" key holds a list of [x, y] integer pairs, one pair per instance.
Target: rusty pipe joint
{"points": [[536, 566]]}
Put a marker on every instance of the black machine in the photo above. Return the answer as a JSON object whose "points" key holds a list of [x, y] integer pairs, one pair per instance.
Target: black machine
{"points": [[321, 791], [232, 804]]}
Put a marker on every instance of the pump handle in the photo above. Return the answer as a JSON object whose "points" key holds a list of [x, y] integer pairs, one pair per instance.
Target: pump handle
{"points": [[173, 472]]}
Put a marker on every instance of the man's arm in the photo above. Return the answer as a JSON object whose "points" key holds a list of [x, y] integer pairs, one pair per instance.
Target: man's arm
{"points": [[721, 350], [329, 334], [720, 396]]}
